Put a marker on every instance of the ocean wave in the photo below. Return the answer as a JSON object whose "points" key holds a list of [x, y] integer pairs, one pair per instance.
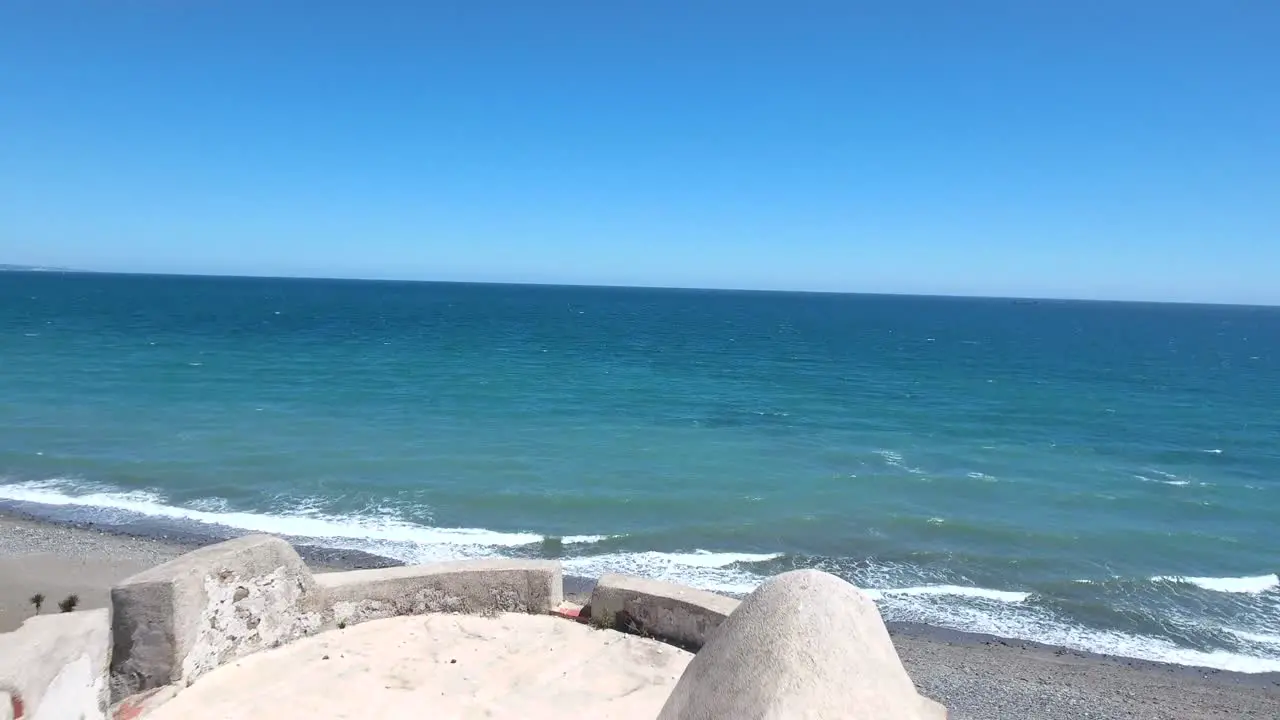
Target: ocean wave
{"points": [[996, 613], [902, 591], [714, 571], [1259, 638], [1008, 596], [585, 539], [381, 532], [893, 458], [1144, 478], [1251, 585]]}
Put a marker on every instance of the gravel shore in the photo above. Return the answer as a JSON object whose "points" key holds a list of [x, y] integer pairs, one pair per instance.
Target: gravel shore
{"points": [[977, 677]]}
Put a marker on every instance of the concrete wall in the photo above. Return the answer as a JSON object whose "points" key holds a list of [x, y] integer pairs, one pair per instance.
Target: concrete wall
{"points": [[179, 620], [805, 644], [473, 587], [55, 667], [672, 613]]}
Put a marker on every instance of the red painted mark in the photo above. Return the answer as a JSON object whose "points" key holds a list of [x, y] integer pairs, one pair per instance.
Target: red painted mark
{"points": [[15, 702], [135, 706], [127, 710], [570, 611]]}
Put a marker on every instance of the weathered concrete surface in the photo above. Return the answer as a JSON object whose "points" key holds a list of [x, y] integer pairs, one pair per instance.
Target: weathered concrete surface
{"points": [[476, 587], [55, 667], [177, 621], [804, 645], [676, 614], [443, 666]]}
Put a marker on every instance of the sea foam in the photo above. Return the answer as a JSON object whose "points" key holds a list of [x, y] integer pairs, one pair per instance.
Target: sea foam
{"points": [[1004, 613], [1252, 584], [380, 532]]}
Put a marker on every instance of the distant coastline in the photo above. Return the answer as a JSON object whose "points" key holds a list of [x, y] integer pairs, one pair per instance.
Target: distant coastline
{"points": [[35, 268]]}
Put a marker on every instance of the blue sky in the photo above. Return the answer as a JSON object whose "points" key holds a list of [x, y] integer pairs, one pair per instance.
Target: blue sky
{"points": [[1126, 150]]}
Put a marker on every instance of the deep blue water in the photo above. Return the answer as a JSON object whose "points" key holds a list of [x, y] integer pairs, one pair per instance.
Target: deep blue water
{"points": [[1099, 475]]}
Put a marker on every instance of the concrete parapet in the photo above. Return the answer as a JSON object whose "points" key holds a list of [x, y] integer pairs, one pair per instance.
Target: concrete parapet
{"points": [[676, 614], [472, 587], [55, 667], [804, 645], [179, 620]]}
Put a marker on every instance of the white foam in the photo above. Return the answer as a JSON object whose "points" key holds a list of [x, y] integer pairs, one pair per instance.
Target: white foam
{"points": [[1144, 478], [1256, 637], [381, 532], [890, 457], [702, 569], [981, 614], [1252, 585], [997, 612], [585, 539], [894, 459], [1214, 451], [1007, 596]]}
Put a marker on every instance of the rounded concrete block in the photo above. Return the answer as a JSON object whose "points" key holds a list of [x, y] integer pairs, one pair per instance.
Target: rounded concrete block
{"points": [[804, 645]]}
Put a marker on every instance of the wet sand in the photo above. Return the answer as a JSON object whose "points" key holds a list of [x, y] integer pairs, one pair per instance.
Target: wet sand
{"points": [[977, 677]]}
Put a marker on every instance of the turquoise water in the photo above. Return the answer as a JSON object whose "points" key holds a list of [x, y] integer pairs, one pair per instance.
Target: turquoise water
{"points": [[1102, 476]]}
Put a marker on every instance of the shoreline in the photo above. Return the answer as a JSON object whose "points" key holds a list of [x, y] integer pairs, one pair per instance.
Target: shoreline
{"points": [[976, 676]]}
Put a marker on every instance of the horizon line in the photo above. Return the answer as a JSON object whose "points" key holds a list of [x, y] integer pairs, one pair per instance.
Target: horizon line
{"points": [[47, 270]]}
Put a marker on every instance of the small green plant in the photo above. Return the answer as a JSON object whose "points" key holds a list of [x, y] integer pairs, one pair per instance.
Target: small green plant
{"points": [[38, 601], [342, 624], [69, 603]]}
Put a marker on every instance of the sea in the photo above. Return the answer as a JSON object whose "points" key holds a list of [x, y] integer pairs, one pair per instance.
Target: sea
{"points": [[1100, 476]]}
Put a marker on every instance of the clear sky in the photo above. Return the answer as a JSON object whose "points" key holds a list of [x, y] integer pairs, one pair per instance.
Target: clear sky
{"points": [[1122, 149]]}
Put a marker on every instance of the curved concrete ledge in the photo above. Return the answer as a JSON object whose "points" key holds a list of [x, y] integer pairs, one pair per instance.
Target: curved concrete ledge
{"points": [[55, 667], [676, 614], [477, 587], [805, 644]]}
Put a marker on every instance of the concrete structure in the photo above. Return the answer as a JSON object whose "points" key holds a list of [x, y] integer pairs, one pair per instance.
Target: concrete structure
{"points": [[243, 629], [177, 621], [804, 645], [55, 667], [672, 613], [443, 666], [475, 587]]}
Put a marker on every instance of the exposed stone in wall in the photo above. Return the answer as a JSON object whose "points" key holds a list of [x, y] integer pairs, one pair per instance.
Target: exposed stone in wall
{"points": [[179, 620], [243, 615]]}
